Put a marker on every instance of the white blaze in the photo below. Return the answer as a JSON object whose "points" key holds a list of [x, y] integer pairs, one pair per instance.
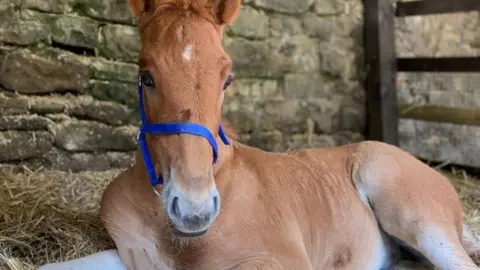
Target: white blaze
{"points": [[188, 52]]}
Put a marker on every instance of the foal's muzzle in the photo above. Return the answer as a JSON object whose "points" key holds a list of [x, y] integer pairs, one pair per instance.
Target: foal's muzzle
{"points": [[190, 215]]}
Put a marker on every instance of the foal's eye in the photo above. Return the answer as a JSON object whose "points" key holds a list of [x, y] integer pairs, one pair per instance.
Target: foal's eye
{"points": [[228, 82], [147, 80]]}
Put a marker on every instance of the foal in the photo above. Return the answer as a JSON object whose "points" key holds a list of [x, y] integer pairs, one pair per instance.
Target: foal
{"points": [[179, 207]]}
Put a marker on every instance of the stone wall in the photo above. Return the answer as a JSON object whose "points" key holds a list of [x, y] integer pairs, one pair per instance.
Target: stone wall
{"points": [[68, 67], [445, 35]]}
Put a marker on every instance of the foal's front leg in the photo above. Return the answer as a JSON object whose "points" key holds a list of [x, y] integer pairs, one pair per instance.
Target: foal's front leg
{"points": [[142, 257], [135, 238], [286, 264]]}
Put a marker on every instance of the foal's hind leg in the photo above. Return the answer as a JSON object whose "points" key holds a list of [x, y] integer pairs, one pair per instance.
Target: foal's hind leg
{"points": [[413, 203]]}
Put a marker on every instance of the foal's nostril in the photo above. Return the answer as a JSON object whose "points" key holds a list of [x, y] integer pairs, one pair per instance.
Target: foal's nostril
{"points": [[174, 208], [196, 221], [216, 203]]}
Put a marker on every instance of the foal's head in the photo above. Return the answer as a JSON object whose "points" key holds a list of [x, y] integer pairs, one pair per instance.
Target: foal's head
{"points": [[184, 71]]}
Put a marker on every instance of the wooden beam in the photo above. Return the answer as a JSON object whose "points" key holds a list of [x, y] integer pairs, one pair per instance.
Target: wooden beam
{"points": [[446, 64], [433, 113], [380, 60], [428, 7]]}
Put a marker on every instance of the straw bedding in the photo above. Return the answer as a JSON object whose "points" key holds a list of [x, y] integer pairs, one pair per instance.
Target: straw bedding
{"points": [[51, 216]]}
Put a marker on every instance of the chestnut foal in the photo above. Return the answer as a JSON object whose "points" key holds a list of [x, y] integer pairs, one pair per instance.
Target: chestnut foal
{"points": [[348, 207]]}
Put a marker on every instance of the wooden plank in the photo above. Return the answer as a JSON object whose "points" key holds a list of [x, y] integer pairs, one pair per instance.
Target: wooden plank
{"points": [[445, 64], [380, 60], [433, 113], [428, 7]]}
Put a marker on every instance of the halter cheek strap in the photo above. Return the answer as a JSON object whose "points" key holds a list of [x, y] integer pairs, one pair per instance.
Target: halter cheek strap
{"points": [[170, 128]]}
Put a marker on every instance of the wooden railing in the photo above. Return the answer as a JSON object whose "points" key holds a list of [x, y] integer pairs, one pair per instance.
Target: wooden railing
{"points": [[382, 64]]}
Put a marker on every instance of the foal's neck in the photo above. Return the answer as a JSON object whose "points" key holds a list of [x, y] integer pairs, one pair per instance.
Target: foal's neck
{"points": [[225, 155]]}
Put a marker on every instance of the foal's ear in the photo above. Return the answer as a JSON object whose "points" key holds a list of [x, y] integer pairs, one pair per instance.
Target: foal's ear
{"points": [[138, 7], [225, 11]]}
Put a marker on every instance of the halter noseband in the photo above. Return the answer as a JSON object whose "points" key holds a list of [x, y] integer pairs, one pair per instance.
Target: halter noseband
{"points": [[170, 128]]}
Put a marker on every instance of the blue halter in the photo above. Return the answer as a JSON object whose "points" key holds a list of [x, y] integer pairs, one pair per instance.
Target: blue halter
{"points": [[170, 128]]}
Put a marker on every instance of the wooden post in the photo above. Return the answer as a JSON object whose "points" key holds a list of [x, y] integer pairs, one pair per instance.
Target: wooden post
{"points": [[380, 60]]}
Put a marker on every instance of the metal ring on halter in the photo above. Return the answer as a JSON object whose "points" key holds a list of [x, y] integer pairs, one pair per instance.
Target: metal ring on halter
{"points": [[156, 192]]}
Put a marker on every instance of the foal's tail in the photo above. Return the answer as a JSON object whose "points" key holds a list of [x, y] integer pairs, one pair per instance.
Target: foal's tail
{"points": [[471, 242]]}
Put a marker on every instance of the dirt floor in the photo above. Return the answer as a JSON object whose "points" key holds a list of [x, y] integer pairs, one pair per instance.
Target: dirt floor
{"points": [[53, 216]]}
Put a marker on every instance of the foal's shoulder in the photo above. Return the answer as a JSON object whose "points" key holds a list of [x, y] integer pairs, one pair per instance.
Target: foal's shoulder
{"points": [[114, 197]]}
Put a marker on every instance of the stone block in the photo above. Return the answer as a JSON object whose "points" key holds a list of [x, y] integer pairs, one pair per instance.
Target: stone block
{"points": [[339, 61], [475, 43], [85, 107], [268, 141], [24, 122], [302, 54], [58, 117], [306, 85], [124, 93], [441, 142], [253, 89], [347, 137], [20, 145], [107, 10], [250, 23], [119, 42], [253, 58], [47, 104], [325, 113], [4, 51], [75, 31], [353, 89], [12, 104], [349, 23], [352, 115], [284, 26], [284, 6], [15, 30], [45, 70], [61, 160], [121, 160], [35, 15], [318, 27], [328, 7], [54, 6], [242, 114], [87, 136], [289, 115], [114, 71], [8, 4]]}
